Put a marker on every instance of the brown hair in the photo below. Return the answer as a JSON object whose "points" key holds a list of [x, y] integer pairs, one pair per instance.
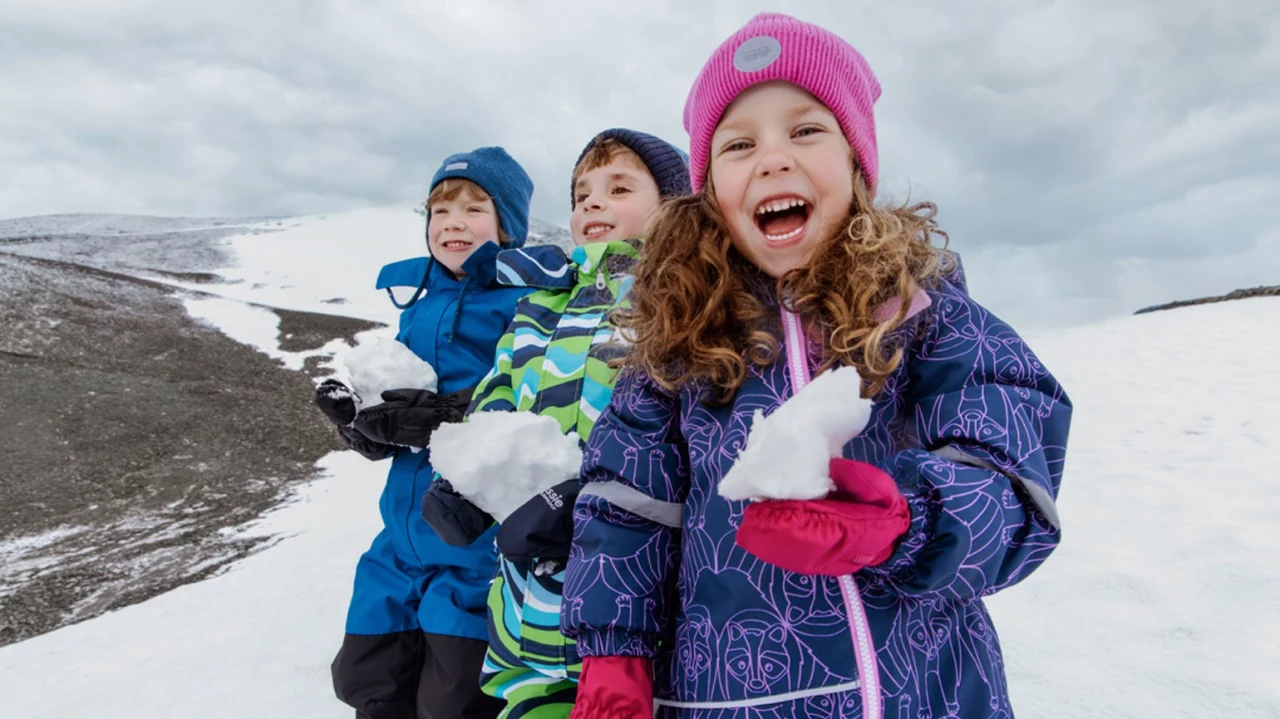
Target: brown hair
{"points": [[451, 188], [699, 308], [603, 154]]}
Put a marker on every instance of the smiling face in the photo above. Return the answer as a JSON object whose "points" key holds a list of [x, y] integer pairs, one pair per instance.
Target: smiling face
{"points": [[614, 200], [783, 175], [462, 218]]}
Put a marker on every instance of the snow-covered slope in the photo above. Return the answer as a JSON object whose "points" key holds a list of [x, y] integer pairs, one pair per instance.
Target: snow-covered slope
{"points": [[328, 263], [1164, 598], [119, 225], [324, 264], [1161, 601], [256, 641]]}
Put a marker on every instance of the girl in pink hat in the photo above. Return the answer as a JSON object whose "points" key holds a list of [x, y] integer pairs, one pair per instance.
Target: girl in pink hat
{"points": [[822, 452]]}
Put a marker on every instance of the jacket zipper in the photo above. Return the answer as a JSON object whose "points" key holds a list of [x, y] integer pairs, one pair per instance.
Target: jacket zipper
{"points": [[863, 648]]}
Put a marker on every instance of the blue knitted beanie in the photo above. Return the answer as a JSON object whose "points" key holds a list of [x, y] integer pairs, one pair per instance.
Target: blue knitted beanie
{"points": [[502, 177], [668, 165]]}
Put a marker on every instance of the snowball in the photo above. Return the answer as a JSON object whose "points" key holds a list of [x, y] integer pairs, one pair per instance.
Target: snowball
{"points": [[384, 365], [499, 460], [787, 453]]}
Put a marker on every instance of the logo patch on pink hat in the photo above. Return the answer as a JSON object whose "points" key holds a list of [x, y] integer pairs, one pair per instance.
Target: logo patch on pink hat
{"points": [[757, 53]]}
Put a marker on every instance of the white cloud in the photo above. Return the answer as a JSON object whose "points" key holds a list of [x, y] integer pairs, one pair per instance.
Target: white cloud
{"points": [[1062, 141]]}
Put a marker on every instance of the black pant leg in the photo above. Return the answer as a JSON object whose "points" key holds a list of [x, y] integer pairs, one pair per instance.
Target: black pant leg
{"points": [[379, 674], [450, 687]]}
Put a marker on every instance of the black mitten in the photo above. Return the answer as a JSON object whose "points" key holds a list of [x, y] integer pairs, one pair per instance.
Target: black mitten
{"points": [[541, 528], [337, 401], [366, 447], [457, 521], [408, 417]]}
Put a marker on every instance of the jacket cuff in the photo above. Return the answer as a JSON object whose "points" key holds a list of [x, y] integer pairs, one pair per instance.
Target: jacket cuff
{"points": [[923, 505], [617, 643]]}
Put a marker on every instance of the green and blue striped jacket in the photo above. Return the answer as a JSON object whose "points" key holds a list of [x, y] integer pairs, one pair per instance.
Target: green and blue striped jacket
{"points": [[554, 361], [553, 358]]}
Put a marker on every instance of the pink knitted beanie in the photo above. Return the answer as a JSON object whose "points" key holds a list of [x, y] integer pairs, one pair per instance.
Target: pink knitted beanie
{"points": [[773, 46]]}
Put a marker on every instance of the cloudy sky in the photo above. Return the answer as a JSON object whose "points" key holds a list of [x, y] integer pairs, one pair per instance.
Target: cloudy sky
{"points": [[1088, 157]]}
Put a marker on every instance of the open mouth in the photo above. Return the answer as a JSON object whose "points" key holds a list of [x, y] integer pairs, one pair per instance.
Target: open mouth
{"points": [[596, 230], [455, 245], [783, 218]]}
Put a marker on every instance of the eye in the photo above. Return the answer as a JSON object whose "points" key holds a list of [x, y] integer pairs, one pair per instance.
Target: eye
{"points": [[806, 130], [580, 197], [439, 210], [475, 209], [621, 190], [736, 146]]}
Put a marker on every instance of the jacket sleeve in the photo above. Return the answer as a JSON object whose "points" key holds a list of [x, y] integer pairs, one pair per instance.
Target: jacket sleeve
{"points": [[495, 392], [619, 583], [992, 426]]}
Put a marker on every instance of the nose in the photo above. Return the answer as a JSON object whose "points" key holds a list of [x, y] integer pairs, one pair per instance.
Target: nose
{"points": [[453, 222], [592, 201], [774, 160]]}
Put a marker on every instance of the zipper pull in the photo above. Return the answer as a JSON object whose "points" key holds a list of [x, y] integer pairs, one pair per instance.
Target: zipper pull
{"points": [[600, 281]]}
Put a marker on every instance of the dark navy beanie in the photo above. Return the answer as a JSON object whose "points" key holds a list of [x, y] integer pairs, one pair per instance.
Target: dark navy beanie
{"points": [[668, 165], [498, 174]]}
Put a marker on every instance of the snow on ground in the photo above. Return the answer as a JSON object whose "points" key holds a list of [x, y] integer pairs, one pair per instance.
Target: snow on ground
{"points": [[21, 557], [123, 225], [323, 264], [254, 641], [1162, 600], [326, 264], [259, 328], [329, 263]]}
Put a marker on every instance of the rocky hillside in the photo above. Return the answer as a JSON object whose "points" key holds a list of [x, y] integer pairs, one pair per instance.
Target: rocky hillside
{"points": [[137, 439], [134, 436], [1266, 291]]}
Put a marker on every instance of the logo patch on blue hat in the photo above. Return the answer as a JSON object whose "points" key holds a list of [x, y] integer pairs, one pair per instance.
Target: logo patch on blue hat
{"points": [[455, 166], [757, 53]]}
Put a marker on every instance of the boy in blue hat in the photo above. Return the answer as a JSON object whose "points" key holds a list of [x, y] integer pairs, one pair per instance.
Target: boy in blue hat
{"points": [[416, 633]]}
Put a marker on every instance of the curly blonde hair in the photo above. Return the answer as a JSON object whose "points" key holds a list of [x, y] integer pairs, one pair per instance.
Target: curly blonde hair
{"points": [[700, 310]]}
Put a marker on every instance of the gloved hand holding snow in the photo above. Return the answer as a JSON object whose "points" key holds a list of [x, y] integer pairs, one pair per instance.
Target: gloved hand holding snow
{"points": [[386, 365], [498, 460], [788, 453]]}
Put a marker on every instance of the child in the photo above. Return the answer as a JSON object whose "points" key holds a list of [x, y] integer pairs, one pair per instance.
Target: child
{"points": [[553, 361], [416, 636], [862, 599]]}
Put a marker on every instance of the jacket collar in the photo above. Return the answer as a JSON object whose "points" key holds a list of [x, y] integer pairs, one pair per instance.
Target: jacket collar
{"points": [[481, 270], [548, 267]]}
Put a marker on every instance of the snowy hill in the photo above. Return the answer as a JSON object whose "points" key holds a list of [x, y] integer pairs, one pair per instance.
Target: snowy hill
{"points": [[135, 433], [1160, 602], [328, 263], [99, 225], [156, 378]]}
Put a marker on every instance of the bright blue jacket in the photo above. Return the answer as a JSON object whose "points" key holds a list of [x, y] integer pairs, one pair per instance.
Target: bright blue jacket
{"points": [[972, 427], [410, 578]]}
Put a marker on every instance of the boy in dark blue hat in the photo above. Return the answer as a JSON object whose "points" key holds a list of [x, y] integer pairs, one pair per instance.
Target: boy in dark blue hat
{"points": [[415, 635], [554, 362]]}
